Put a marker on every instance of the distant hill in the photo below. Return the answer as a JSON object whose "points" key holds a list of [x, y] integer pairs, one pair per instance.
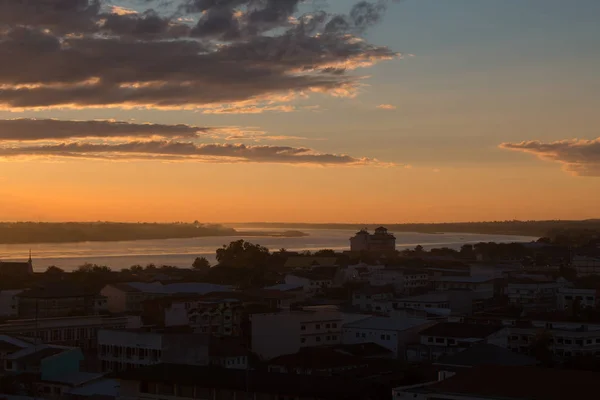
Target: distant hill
{"points": [[521, 228]]}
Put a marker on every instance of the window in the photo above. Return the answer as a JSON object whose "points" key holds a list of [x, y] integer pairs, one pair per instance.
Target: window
{"points": [[579, 342], [327, 326], [318, 326], [165, 388], [589, 341], [589, 298], [318, 338], [451, 341], [185, 391], [302, 327], [328, 338], [439, 340], [147, 387], [303, 340], [334, 337], [430, 340], [568, 341], [364, 335], [357, 334], [334, 325], [382, 337]]}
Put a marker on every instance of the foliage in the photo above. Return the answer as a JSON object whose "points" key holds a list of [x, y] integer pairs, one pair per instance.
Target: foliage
{"points": [[324, 253], [54, 270], [201, 264], [242, 254]]}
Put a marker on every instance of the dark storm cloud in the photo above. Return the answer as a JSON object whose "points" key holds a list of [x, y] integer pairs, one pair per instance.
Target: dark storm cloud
{"points": [[580, 157], [25, 129], [180, 151], [79, 54]]}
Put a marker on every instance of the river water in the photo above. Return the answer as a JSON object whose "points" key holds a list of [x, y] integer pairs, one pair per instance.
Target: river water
{"points": [[182, 252]]}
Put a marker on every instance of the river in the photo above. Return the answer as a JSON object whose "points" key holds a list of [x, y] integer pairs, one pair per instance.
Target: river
{"points": [[182, 252]]}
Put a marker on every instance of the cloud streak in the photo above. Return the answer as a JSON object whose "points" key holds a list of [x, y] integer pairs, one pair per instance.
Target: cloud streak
{"points": [[579, 157], [81, 53]]}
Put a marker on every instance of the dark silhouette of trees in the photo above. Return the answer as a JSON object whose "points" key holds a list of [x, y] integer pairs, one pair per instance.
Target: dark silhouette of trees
{"points": [[201, 264], [540, 348], [242, 254], [324, 253], [54, 270]]}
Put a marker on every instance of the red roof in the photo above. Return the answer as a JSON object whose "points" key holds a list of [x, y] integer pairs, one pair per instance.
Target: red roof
{"points": [[532, 383]]}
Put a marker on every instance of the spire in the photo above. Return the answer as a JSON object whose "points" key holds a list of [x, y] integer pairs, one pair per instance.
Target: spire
{"points": [[30, 260]]}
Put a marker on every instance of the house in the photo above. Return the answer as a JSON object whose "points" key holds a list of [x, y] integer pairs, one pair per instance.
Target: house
{"points": [[10, 345], [15, 269], [58, 301], [480, 354], [294, 290], [8, 303], [276, 334], [120, 350], [366, 298], [506, 383], [127, 297], [585, 266], [309, 263], [69, 331], [530, 294], [313, 282], [481, 285], [451, 337], [404, 280], [379, 242], [568, 297], [46, 360], [392, 333], [197, 382]]}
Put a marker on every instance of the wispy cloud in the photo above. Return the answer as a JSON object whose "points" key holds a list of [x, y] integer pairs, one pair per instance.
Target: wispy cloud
{"points": [[579, 157], [386, 107]]}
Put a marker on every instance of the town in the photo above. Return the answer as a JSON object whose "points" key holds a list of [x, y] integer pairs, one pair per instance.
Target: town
{"points": [[368, 323]]}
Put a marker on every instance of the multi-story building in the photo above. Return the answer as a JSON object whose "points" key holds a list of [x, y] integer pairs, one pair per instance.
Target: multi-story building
{"points": [[8, 303], [392, 333], [276, 334], [120, 350], [450, 337], [379, 242], [367, 298], [69, 331], [314, 282], [482, 286], [567, 297], [128, 297], [529, 294], [586, 266], [403, 280], [58, 301], [217, 314]]}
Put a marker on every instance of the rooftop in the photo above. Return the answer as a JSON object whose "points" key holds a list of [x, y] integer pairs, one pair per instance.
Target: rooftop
{"points": [[386, 323], [172, 288], [322, 274], [531, 383], [35, 355], [434, 297], [465, 279], [102, 387], [461, 330], [486, 354], [56, 291], [364, 350], [77, 378], [317, 358], [371, 290], [259, 382], [284, 287]]}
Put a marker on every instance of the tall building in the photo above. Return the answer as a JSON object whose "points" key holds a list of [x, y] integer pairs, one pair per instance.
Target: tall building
{"points": [[381, 241]]}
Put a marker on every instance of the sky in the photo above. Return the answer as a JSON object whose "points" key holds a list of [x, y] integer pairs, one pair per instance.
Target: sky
{"points": [[295, 111]]}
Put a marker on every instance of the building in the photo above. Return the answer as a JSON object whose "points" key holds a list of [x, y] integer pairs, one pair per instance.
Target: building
{"points": [[506, 383], [128, 297], [10, 345], [529, 294], [294, 291], [276, 334], [8, 303], [368, 298], [379, 242], [392, 333], [435, 300], [217, 313], [58, 301], [586, 266], [403, 280], [482, 286], [69, 331], [168, 381], [478, 355], [227, 352], [567, 297], [309, 263], [14, 269], [120, 350], [446, 338], [313, 282]]}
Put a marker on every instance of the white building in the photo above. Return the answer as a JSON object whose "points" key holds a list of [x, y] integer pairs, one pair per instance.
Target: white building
{"points": [[70, 331], [586, 266], [128, 297], [369, 298], [276, 334], [402, 279], [391, 333], [482, 286], [433, 300], [312, 282], [450, 337], [529, 294], [567, 296], [9, 303]]}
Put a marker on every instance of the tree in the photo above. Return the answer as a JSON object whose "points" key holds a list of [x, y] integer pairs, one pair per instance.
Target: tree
{"points": [[419, 249], [242, 254], [136, 269], [540, 348], [201, 264], [324, 253], [54, 270]]}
